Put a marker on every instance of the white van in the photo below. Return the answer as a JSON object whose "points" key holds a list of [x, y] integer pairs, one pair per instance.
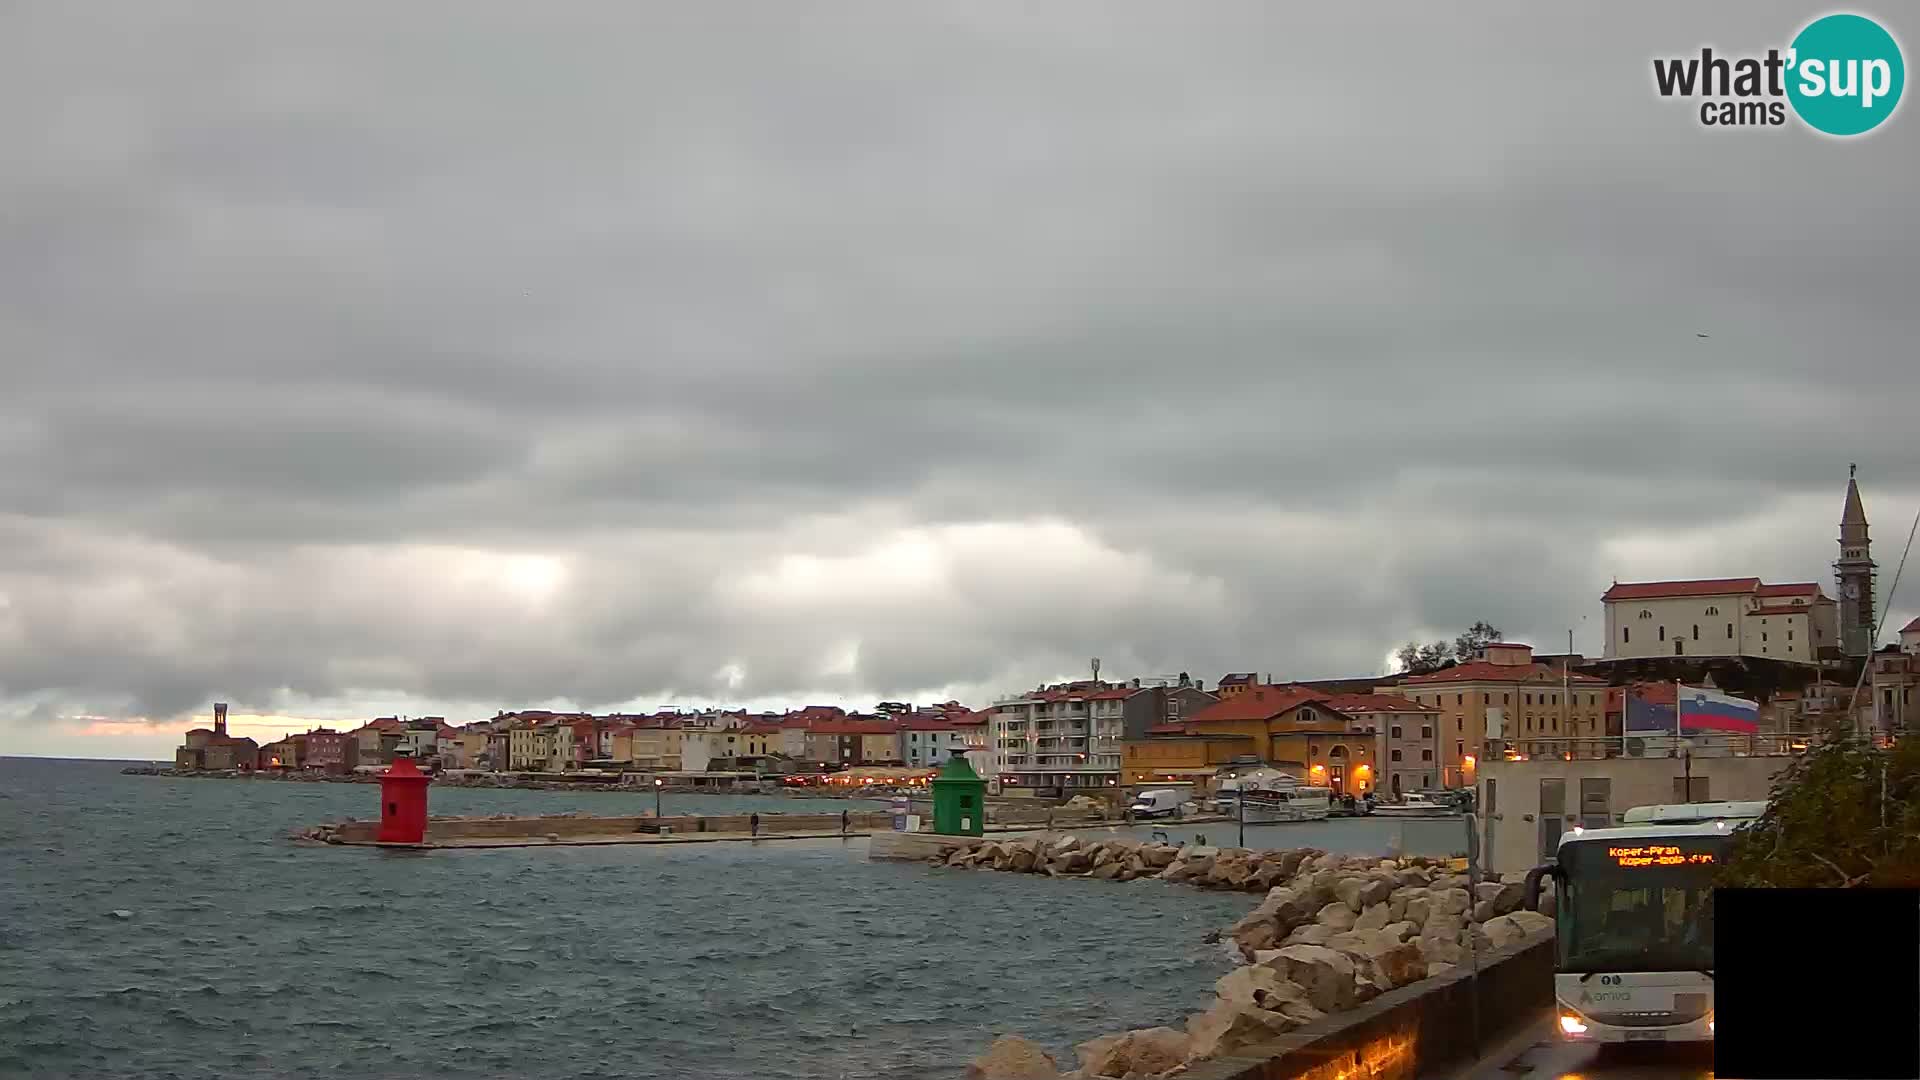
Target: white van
{"points": [[1161, 802]]}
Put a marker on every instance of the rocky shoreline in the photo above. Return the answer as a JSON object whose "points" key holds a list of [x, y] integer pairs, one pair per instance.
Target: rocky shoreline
{"points": [[1330, 933]]}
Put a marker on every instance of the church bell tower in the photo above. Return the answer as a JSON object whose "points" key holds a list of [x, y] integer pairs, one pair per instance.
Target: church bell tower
{"points": [[1853, 573]]}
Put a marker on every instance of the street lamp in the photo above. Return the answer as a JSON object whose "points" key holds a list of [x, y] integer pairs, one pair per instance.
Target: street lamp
{"points": [[1686, 758], [657, 785]]}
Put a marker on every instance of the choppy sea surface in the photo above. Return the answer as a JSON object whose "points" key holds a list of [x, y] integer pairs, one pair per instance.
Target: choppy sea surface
{"points": [[244, 954]]}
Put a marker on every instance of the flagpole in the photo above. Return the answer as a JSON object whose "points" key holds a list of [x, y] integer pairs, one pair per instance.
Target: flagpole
{"points": [[1677, 736]]}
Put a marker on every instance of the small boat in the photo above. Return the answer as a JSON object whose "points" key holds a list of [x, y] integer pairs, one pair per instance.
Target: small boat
{"points": [[1297, 803], [1414, 806]]}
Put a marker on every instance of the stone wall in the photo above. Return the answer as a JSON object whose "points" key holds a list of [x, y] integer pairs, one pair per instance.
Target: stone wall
{"points": [[1410, 1032]]}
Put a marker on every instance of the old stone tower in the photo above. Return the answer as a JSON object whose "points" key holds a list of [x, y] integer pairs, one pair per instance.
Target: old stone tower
{"points": [[1854, 575]]}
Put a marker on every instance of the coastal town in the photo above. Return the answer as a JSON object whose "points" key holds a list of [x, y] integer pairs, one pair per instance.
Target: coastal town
{"points": [[1729, 673]]}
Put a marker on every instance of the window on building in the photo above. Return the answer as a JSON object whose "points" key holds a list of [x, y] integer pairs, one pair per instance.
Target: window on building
{"points": [[1394, 731], [1529, 699], [1457, 724], [1789, 635], [1506, 699], [1763, 635], [1729, 631], [1426, 755], [1459, 699], [1663, 633], [1645, 614], [1426, 731], [1626, 634], [1713, 611], [1395, 754], [1696, 631], [1460, 750]]}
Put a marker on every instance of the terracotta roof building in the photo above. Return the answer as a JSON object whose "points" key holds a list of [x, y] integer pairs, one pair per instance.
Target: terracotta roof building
{"points": [[1720, 617], [1503, 700]]}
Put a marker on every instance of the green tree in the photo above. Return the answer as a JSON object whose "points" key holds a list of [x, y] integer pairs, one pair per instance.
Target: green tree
{"points": [[1478, 636], [1845, 814], [1417, 659]]}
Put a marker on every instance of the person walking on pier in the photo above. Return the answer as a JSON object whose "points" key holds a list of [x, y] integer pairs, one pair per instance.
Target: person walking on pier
{"points": [[753, 824], [845, 819]]}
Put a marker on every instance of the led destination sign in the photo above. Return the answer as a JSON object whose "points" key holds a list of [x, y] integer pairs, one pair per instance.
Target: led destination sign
{"points": [[1658, 855]]}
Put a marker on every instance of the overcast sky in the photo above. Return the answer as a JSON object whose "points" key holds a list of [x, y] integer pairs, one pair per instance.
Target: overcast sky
{"points": [[448, 358]]}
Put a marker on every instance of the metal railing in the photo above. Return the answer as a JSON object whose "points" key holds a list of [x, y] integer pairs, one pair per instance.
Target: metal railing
{"points": [[1763, 744]]}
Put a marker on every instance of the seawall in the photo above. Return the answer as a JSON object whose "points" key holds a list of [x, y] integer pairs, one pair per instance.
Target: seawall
{"points": [[1411, 1032]]}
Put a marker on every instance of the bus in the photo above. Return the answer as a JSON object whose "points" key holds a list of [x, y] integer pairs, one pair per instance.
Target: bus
{"points": [[1634, 923]]}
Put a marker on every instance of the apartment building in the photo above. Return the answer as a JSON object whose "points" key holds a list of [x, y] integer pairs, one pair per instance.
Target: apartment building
{"points": [[1505, 697], [1068, 735]]}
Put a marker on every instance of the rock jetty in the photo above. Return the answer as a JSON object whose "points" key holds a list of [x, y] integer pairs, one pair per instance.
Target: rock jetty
{"points": [[1330, 932]]}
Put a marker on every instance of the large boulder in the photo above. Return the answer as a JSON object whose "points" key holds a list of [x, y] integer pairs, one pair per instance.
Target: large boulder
{"points": [[1136, 1053], [1347, 891], [1375, 917], [1310, 934], [1013, 1058], [1515, 926], [1108, 870], [1419, 907], [1158, 856], [1021, 860], [1451, 901], [1336, 916], [1075, 862], [1228, 1026], [1065, 844], [1400, 930], [1399, 965], [1325, 974], [1375, 891], [1256, 937], [1532, 921], [1288, 862]]}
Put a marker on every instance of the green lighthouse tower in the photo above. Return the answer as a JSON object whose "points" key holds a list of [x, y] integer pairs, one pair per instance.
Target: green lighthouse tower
{"points": [[959, 799]]}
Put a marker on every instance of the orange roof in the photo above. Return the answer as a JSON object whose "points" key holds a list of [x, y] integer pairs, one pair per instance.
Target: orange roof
{"points": [[1911, 628], [1257, 703], [854, 727], [1484, 671], [1654, 590], [1360, 703]]}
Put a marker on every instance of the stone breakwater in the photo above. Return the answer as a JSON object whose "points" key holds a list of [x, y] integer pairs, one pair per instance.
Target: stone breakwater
{"points": [[1330, 933]]}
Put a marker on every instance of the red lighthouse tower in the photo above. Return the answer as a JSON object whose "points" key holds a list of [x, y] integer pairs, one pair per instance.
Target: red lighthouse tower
{"points": [[403, 803]]}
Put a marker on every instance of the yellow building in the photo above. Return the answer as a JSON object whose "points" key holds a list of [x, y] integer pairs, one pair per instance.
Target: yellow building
{"points": [[1289, 728], [1180, 756], [529, 749], [655, 748], [1509, 700]]}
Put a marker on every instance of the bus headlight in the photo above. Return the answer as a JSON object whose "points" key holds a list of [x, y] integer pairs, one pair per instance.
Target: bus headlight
{"points": [[1572, 1024]]}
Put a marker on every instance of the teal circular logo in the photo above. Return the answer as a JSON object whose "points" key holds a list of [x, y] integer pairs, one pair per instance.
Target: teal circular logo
{"points": [[1847, 75]]}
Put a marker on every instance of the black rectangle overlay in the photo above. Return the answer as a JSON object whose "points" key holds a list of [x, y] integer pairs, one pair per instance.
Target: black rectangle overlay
{"points": [[1816, 984]]}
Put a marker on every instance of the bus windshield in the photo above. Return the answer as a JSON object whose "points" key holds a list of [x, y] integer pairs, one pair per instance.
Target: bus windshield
{"points": [[1643, 905]]}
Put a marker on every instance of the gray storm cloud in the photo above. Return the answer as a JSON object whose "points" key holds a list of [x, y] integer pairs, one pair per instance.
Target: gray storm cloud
{"points": [[481, 357]]}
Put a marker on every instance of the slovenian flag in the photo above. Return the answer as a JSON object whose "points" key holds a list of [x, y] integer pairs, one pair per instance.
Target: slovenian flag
{"points": [[1710, 712]]}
